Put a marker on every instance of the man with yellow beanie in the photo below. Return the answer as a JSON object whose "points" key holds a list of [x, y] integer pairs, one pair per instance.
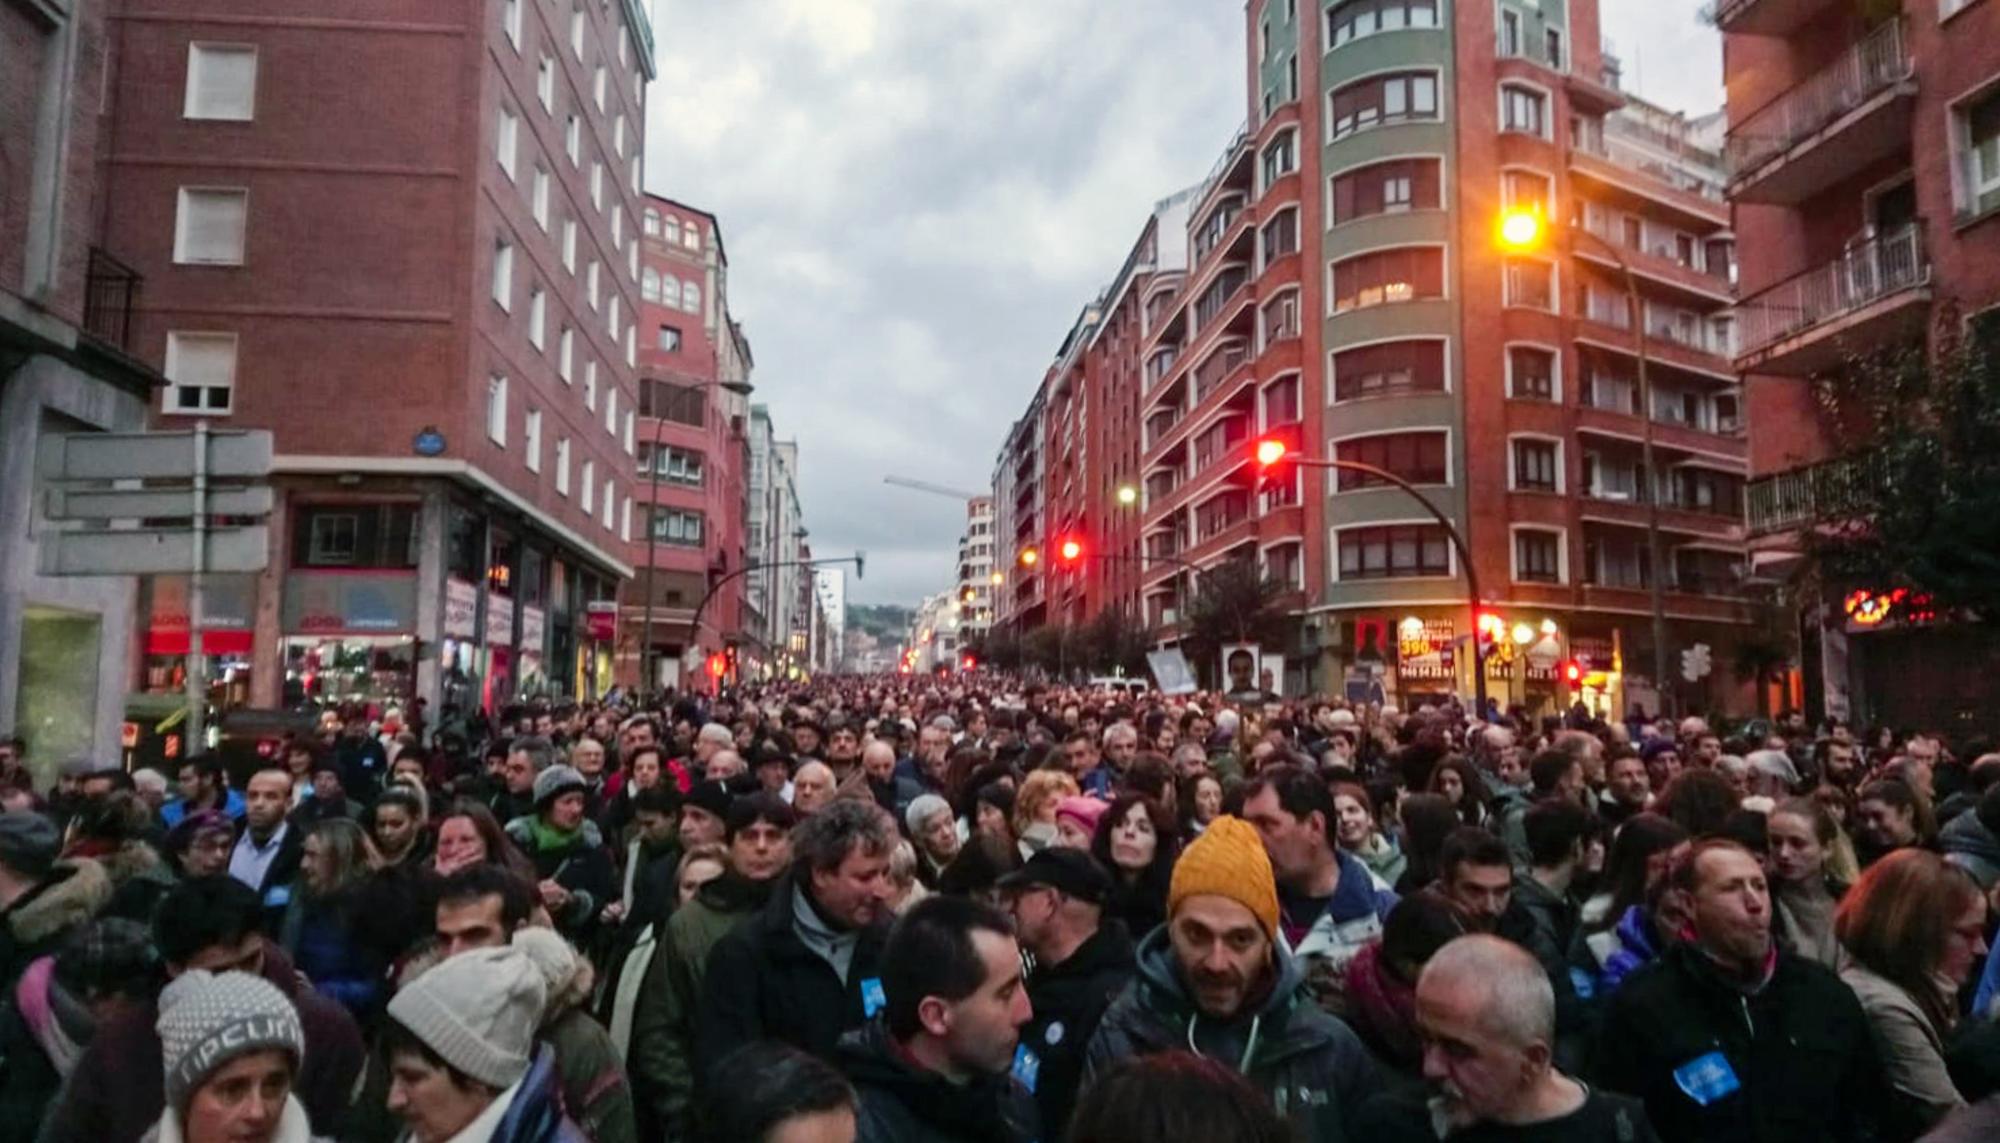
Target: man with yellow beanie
{"points": [[1217, 981]]}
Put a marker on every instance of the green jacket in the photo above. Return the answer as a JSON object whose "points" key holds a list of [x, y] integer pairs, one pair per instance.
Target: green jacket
{"points": [[592, 1078], [661, 1059]]}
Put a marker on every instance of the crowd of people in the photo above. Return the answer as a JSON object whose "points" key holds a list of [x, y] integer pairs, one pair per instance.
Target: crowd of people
{"points": [[982, 909]]}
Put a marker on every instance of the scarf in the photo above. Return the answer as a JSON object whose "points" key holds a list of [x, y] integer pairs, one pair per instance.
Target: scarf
{"points": [[548, 837], [834, 946]]}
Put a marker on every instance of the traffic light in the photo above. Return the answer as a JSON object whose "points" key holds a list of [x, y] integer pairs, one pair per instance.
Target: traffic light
{"points": [[968, 663], [1491, 628], [1071, 550], [717, 665], [1270, 451], [1572, 672], [1277, 472]]}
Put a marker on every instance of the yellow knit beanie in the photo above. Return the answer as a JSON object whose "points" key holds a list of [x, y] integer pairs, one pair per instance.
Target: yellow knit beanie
{"points": [[1228, 860]]}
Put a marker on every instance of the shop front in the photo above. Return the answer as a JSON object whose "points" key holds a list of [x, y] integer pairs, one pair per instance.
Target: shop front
{"points": [[349, 639], [228, 617]]}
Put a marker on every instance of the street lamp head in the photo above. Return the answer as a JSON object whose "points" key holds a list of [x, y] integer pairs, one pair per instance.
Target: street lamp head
{"points": [[999, 578], [1030, 557], [1128, 495], [1522, 230]]}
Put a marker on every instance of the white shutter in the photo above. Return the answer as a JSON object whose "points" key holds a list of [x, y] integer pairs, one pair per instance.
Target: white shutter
{"points": [[209, 228], [221, 82]]}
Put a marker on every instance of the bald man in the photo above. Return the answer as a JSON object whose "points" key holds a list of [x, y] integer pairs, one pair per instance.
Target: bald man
{"points": [[878, 766], [812, 787], [1487, 1017]]}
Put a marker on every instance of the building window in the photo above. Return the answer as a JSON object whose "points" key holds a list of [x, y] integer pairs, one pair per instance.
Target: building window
{"points": [[1394, 551], [221, 82], [1279, 319], [680, 466], [209, 225], [576, 18], [611, 412], [562, 467], [610, 503], [510, 21], [1394, 187], [539, 198], [1281, 236], [1382, 277], [201, 372], [591, 285], [1531, 373], [545, 82], [649, 285], [573, 140], [670, 339], [1394, 98], [1537, 556], [630, 421], [598, 86], [356, 536], [569, 244], [1418, 457], [1281, 158], [670, 291], [587, 494], [1529, 282], [611, 317], [507, 142], [538, 317], [680, 404], [596, 184], [565, 353], [1976, 127], [1281, 402], [651, 223], [675, 526], [503, 274], [1387, 368], [496, 409], [618, 135], [590, 385], [1552, 43], [1537, 466], [617, 227], [691, 297], [1360, 18], [1528, 190], [1524, 109], [333, 539], [531, 440], [691, 236]]}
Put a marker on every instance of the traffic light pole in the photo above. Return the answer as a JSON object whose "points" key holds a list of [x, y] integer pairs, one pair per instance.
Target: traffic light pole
{"points": [[858, 559], [1457, 543]]}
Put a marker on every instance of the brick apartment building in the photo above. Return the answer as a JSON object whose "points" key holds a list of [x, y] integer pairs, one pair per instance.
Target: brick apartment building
{"points": [[66, 302], [1864, 144], [693, 448], [1337, 280], [406, 240]]}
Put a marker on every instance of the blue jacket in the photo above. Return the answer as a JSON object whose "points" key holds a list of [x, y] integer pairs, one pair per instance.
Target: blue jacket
{"points": [[172, 813]]}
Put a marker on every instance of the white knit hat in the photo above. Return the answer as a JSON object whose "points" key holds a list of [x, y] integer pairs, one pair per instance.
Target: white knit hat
{"points": [[206, 1020], [478, 1011]]}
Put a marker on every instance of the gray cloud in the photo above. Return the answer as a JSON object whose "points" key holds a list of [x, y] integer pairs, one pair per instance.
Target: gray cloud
{"points": [[918, 196], [1671, 57]]}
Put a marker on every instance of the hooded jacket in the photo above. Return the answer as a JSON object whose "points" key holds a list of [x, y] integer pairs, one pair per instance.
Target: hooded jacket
{"points": [[1313, 1069], [529, 1112], [661, 1057], [1352, 921], [1791, 1059], [118, 1088], [1069, 999], [39, 919], [900, 1102], [588, 1068]]}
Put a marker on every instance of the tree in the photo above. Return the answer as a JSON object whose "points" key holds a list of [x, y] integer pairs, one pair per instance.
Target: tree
{"points": [[1000, 650], [1917, 504], [1233, 603], [1111, 641], [1052, 647]]}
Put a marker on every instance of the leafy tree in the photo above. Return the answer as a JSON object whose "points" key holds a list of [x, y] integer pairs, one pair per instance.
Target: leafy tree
{"points": [[1111, 641], [1233, 603], [1917, 504], [1051, 647]]}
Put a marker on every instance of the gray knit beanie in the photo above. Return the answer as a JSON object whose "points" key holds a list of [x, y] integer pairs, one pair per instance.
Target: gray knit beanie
{"points": [[207, 1019], [478, 1011], [556, 781]]}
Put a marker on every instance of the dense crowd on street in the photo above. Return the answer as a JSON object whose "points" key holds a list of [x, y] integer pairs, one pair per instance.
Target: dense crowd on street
{"points": [[979, 908]]}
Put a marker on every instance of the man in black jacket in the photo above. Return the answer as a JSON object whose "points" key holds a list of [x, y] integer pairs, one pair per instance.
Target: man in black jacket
{"points": [[268, 845], [1728, 1039], [1081, 964], [804, 970], [940, 1065]]}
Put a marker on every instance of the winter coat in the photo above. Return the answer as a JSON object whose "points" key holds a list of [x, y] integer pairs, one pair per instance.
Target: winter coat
{"points": [[1802, 920], [172, 813], [1599, 962], [1383, 857], [117, 1090], [764, 983], [899, 1103], [581, 866], [1545, 923], [1314, 1070], [1968, 844], [1382, 1010], [1405, 1117], [1792, 1060], [661, 1057], [529, 1112], [43, 1031], [1911, 1049], [590, 1071], [1352, 921], [139, 878], [38, 921], [321, 936], [1069, 998]]}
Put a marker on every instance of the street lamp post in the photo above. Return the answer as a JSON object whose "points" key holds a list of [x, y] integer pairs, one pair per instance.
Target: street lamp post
{"points": [[858, 559], [1526, 230], [1272, 452]]}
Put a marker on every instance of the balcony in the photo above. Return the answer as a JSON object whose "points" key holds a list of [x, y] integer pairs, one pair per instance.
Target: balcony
{"points": [[1220, 365], [1762, 17], [1219, 294], [1877, 292], [1851, 114], [1787, 501], [111, 293]]}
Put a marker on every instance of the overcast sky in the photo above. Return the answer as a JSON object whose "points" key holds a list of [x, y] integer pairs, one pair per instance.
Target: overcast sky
{"points": [[917, 197]]}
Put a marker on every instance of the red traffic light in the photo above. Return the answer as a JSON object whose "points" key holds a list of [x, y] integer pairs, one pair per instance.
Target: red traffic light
{"points": [[1071, 550], [1271, 450], [1572, 671], [967, 663], [717, 665]]}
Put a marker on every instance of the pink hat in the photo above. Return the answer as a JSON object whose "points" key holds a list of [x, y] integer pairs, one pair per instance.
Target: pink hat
{"points": [[1081, 809]]}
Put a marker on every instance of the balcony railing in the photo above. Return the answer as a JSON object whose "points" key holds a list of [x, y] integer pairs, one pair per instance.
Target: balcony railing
{"points": [[1217, 226], [111, 293], [1866, 273], [1871, 66], [1802, 496], [1227, 285], [1216, 369], [1592, 137]]}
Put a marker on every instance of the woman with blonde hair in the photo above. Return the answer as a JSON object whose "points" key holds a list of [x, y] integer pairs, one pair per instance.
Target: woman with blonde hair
{"points": [[1035, 808], [1913, 928]]}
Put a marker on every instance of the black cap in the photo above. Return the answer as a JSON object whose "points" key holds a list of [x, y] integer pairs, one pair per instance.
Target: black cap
{"points": [[1070, 872], [710, 796]]}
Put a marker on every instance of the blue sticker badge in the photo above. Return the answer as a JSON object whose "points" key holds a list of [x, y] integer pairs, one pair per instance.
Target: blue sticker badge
{"points": [[1707, 1078], [278, 896], [1027, 1067], [873, 999]]}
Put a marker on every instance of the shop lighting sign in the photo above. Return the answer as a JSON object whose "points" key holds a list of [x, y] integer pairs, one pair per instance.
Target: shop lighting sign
{"points": [[1867, 610], [1424, 649]]}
